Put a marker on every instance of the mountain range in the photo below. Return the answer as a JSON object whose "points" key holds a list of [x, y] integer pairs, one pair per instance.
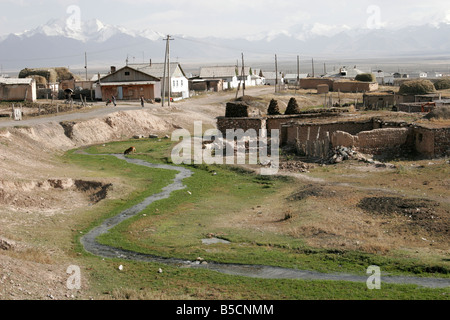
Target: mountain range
{"points": [[57, 43]]}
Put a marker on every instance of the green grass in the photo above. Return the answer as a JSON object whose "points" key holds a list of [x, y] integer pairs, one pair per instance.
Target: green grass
{"points": [[175, 227]]}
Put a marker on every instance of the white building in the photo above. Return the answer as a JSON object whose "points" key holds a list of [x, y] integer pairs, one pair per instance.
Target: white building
{"points": [[271, 78], [232, 76], [384, 78], [291, 78], [418, 75], [179, 84]]}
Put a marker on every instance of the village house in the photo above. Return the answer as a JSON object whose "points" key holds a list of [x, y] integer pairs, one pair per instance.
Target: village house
{"points": [[129, 83], [14, 89], [292, 79], [179, 83], [271, 78], [231, 76], [384, 78]]}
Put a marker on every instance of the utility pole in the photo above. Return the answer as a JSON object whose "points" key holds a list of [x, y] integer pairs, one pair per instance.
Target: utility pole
{"points": [[243, 75], [298, 70], [276, 73], [85, 65], [313, 73], [166, 68]]}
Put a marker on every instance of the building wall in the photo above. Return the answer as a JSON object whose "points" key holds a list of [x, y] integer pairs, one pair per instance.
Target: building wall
{"points": [[355, 86], [18, 92], [180, 85], [302, 132], [387, 100], [442, 142], [132, 92], [312, 83], [388, 141], [245, 124]]}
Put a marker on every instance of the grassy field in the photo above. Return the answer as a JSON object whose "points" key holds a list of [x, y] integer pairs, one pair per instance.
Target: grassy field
{"points": [[267, 221]]}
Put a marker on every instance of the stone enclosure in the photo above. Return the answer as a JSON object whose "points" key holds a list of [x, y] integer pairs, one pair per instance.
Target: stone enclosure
{"points": [[315, 133]]}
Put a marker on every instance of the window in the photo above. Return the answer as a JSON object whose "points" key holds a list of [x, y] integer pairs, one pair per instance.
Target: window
{"points": [[127, 73], [181, 82]]}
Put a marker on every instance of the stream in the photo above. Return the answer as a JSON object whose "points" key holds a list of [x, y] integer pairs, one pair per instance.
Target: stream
{"points": [[254, 271]]}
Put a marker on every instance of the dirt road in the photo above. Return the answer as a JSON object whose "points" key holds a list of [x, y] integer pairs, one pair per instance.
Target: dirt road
{"points": [[206, 105]]}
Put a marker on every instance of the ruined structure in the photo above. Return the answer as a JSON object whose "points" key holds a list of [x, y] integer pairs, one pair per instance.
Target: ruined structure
{"points": [[315, 132]]}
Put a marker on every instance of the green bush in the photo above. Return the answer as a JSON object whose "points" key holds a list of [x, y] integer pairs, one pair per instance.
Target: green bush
{"points": [[415, 87], [442, 84], [273, 110], [365, 77], [292, 107]]}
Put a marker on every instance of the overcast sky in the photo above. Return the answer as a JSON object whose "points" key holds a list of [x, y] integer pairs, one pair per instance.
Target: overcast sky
{"points": [[226, 18]]}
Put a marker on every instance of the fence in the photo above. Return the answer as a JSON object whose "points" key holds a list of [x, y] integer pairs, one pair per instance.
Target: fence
{"points": [[319, 148]]}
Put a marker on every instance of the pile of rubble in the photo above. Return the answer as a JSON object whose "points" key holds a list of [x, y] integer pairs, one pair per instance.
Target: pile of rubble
{"points": [[340, 154], [295, 166]]}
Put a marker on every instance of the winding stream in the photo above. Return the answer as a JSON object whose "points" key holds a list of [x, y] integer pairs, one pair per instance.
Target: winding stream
{"points": [[255, 271]]}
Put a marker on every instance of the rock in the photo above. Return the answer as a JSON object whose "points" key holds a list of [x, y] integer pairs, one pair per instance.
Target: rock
{"points": [[6, 244], [121, 267], [153, 136], [138, 137]]}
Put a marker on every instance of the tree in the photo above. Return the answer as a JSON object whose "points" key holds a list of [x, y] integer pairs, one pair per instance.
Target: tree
{"points": [[292, 107], [273, 110]]}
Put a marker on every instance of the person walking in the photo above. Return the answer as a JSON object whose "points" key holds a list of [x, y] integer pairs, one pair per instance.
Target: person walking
{"points": [[142, 102], [114, 100]]}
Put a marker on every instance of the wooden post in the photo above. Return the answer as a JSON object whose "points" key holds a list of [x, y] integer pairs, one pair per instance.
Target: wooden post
{"points": [[276, 73], [243, 75]]}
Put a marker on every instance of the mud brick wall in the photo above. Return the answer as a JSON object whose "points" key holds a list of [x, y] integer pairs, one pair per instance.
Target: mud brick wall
{"points": [[276, 122], [312, 83], [308, 132], [391, 141], [224, 123], [442, 142], [354, 86], [413, 107], [385, 141]]}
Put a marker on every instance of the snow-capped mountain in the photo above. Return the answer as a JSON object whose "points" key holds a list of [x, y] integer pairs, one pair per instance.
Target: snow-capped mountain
{"points": [[60, 43], [85, 31]]}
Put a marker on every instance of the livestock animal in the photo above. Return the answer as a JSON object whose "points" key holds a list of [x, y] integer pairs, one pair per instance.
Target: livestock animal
{"points": [[130, 150]]}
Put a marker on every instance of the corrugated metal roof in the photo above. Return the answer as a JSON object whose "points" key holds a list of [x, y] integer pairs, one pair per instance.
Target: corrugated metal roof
{"points": [[223, 71], [156, 69]]}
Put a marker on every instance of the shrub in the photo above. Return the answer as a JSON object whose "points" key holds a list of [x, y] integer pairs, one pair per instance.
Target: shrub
{"points": [[442, 84], [365, 77], [273, 110], [415, 87], [292, 107]]}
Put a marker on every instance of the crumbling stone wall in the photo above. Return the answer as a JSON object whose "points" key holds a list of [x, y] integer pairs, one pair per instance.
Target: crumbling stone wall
{"points": [[442, 142], [385, 141], [303, 132], [225, 123]]}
